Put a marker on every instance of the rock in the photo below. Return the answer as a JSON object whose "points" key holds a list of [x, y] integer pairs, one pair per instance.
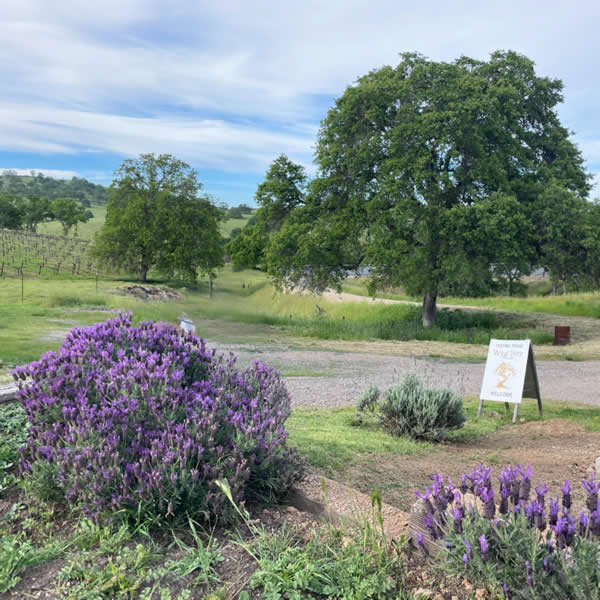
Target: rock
{"points": [[522, 420], [597, 467], [493, 413]]}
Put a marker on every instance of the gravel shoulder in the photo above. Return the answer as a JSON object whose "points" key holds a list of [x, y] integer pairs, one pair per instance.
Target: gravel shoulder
{"points": [[347, 374]]}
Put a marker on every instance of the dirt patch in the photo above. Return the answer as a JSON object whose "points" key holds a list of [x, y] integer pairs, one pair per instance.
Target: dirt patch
{"points": [[555, 449]]}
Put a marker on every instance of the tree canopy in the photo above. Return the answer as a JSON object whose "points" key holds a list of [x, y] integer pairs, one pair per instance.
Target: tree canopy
{"points": [[157, 217], [282, 191], [68, 212], [434, 174]]}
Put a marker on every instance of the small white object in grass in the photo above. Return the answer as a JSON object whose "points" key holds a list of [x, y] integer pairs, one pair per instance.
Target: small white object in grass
{"points": [[187, 324]]}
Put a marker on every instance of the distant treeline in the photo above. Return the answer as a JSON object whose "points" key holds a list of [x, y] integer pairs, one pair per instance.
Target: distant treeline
{"points": [[37, 184]]}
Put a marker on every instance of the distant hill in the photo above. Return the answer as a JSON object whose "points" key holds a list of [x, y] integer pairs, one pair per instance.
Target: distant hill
{"points": [[78, 188]]}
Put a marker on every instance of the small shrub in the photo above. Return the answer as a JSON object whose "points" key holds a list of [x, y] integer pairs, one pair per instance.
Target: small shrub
{"points": [[145, 419], [367, 402], [410, 409], [519, 543]]}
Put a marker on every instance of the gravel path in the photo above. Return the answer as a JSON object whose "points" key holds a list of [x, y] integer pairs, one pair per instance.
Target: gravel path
{"points": [[325, 379]]}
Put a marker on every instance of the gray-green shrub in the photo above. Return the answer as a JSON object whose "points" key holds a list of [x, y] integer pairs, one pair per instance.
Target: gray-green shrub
{"points": [[410, 409], [367, 401]]}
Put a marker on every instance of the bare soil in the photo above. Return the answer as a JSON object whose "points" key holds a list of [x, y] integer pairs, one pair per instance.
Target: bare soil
{"points": [[556, 450]]}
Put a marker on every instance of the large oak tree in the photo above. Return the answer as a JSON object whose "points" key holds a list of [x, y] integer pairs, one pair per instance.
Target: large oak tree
{"points": [[157, 217], [405, 158]]}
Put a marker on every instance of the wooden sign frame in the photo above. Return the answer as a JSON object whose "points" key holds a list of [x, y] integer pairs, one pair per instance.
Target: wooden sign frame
{"points": [[508, 359]]}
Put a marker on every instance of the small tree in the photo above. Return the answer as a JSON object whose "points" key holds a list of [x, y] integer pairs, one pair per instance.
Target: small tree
{"points": [[69, 213], [157, 217], [37, 210]]}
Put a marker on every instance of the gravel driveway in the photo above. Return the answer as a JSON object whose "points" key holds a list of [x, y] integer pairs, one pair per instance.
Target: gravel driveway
{"points": [[330, 379]]}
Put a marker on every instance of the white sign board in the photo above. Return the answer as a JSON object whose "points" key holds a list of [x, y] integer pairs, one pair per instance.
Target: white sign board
{"points": [[505, 370]]}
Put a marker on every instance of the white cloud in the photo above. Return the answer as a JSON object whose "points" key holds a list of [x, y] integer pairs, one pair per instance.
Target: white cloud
{"points": [[208, 143], [120, 75], [54, 173]]}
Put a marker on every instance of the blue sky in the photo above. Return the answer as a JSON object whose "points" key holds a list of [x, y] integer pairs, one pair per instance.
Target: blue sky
{"points": [[229, 85]]}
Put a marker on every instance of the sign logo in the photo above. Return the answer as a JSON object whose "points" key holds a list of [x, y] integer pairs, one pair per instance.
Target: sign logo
{"points": [[505, 371]]}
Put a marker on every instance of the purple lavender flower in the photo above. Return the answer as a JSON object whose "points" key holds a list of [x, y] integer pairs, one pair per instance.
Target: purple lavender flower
{"points": [[566, 491], [584, 522], [421, 544], [525, 484], [541, 492], [592, 488], [146, 416], [489, 506], [484, 548], [529, 573], [507, 592], [553, 511], [457, 516]]}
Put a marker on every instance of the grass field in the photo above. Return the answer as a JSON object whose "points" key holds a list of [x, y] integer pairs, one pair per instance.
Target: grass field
{"points": [[87, 230], [244, 306]]}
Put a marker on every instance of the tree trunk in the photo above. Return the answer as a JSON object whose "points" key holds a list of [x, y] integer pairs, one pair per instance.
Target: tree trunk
{"points": [[429, 309], [143, 272]]}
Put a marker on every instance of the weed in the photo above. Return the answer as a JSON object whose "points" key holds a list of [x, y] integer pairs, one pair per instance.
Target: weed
{"points": [[200, 559], [17, 553], [13, 434]]}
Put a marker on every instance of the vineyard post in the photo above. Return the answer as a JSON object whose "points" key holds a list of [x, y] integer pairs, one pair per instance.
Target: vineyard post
{"points": [[21, 283], [96, 282]]}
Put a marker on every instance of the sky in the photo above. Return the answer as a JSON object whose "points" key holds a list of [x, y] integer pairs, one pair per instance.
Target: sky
{"points": [[229, 85]]}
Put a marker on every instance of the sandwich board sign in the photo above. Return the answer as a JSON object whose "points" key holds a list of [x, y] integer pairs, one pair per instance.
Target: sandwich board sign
{"points": [[510, 374]]}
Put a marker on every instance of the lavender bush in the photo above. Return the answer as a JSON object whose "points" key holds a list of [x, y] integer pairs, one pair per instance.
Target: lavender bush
{"points": [[144, 420], [413, 410], [520, 542]]}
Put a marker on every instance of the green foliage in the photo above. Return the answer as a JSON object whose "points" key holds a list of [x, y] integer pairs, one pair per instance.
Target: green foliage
{"points": [[405, 157], [123, 576], [332, 564], [282, 191], [367, 402], [37, 209], [13, 435], [201, 559], [18, 553], [410, 409], [11, 211], [156, 217]]}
